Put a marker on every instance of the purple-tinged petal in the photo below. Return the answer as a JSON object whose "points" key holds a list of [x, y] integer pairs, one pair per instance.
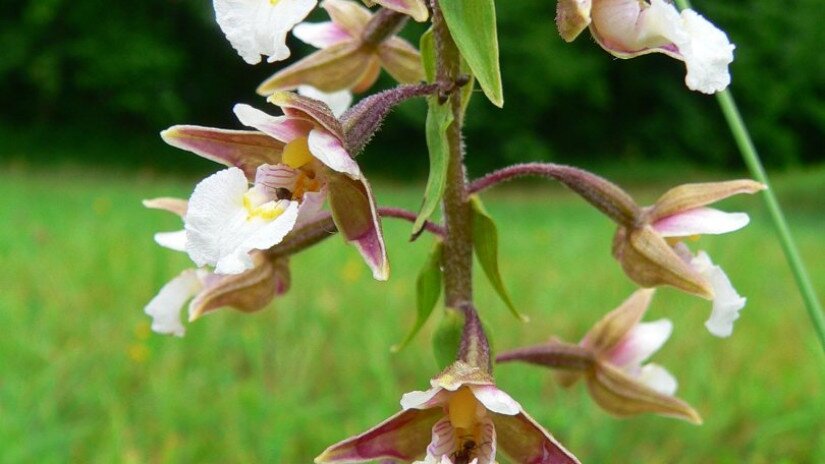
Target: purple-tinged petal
{"points": [[300, 107], [726, 301], [426, 399], [166, 306], [173, 240], [526, 442], [640, 343], [691, 196], [401, 60], [403, 436], [330, 151], [355, 214], [321, 35], [415, 8], [612, 329], [700, 221], [243, 149], [349, 15], [495, 400], [173, 205], [311, 208], [282, 128]]}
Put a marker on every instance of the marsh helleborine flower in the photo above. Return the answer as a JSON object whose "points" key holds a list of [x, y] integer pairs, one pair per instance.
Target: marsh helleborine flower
{"points": [[652, 252], [259, 27], [610, 359], [296, 161], [415, 8], [346, 60], [248, 291], [629, 28], [464, 418]]}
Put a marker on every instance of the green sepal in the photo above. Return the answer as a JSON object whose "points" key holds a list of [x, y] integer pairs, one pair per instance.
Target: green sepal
{"points": [[472, 24], [485, 244], [428, 290], [447, 338]]}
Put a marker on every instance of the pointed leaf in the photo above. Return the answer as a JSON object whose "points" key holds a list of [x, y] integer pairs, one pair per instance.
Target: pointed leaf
{"points": [[447, 338], [485, 243], [472, 24], [439, 118], [427, 47], [428, 289]]}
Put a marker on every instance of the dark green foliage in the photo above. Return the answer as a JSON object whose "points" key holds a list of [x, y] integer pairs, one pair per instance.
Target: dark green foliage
{"points": [[118, 69]]}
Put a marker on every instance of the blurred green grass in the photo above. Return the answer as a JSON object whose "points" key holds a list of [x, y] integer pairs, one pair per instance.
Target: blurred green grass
{"points": [[83, 380]]}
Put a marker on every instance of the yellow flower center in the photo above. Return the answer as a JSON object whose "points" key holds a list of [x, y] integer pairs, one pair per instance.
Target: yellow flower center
{"points": [[267, 211], [296, 153], [462, 409], [274, 2]]}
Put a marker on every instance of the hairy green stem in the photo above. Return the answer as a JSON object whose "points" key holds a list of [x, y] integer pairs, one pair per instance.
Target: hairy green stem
{"points": [[752, 160]]}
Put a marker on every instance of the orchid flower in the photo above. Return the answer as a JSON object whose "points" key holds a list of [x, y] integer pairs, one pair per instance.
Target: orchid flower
{"points": [[463, 418], [415, 8], [338, 102], [259, 27], [295, 162], [248, 291], [629, 28], [652, 251], [347, 60], [611, 356]]}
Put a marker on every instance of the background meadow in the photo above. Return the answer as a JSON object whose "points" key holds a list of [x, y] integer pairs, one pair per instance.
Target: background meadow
{"points": [[82, 378]]}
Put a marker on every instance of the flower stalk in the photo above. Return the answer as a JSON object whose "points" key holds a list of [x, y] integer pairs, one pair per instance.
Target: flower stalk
{"points": [[786, 240]]}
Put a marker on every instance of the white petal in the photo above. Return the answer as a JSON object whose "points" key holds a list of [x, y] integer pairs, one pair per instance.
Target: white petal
{"points": [[220, 231], [700, 221], [172, 240], [726, 301], [166, 306], [311, 207], [259, 27], [495, 400], [280, 128], [658, 378], [321, 35], [641, 342], [422, 399], [338, 101], [330, 151], [708, 56]]}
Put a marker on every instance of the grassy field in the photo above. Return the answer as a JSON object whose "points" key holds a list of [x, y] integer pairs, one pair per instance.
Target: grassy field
{"points": [[82, 379]]}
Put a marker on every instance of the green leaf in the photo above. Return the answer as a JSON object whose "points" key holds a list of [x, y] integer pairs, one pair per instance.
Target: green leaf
{"points": [[447, 338], [428, 289], [439, 118], [472, 24], [427, 49], [485, 243]]}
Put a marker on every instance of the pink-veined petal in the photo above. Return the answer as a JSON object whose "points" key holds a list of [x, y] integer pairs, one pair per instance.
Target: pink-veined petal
{"points": [[495, 400], [329, 149], [321, 35], [403, 436], [173, 240], [700, 221], [658, 378], [281, 128], [442, 442], [487, 442], [166, 306], [726, 301]]}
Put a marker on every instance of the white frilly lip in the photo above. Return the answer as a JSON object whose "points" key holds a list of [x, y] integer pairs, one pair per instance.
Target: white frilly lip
{"points": [[166, 306], [219, 229], [628, 28], [259, 27], [443, 443], [726, 301]]}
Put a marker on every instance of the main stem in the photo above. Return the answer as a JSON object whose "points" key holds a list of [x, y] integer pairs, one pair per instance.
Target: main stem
{"points": [[457, 258]]}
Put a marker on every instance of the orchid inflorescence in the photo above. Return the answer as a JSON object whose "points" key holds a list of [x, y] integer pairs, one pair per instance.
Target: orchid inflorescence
{"points": [[242, 224]]}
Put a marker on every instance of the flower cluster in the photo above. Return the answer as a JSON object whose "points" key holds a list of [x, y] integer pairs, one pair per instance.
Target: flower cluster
{"points": [[291, 179]]}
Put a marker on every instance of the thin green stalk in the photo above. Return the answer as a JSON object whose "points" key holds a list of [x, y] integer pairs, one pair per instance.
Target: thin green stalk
{"points": [[752, 160]]}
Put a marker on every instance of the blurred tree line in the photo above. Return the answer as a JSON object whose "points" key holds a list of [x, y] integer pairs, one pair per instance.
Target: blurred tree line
{"points": [[113, 74]]}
